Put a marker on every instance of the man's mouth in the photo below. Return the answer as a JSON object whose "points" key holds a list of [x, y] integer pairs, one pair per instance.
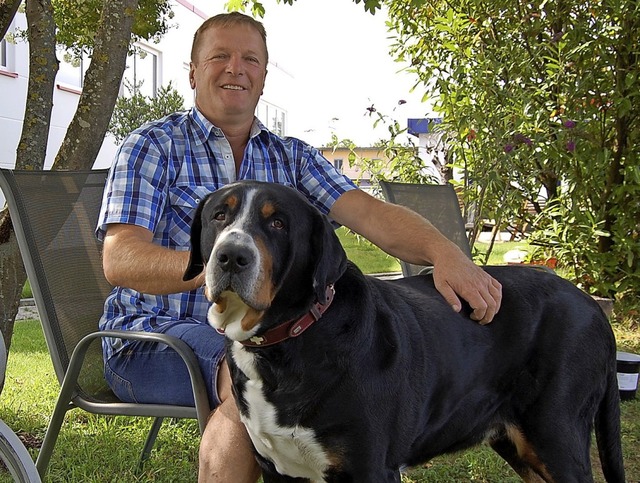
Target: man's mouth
{"points": [[233, 87]]}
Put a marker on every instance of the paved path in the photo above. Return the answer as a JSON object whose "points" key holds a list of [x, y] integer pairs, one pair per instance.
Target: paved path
{"points": [[27, 310]]}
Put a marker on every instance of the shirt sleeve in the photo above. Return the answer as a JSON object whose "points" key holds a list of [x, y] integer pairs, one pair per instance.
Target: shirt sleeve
{"points": [[320, 181], [135, 192]]}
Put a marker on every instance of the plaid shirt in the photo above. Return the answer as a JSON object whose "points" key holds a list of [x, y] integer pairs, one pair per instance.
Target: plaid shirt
{"points": [[164, 169]]}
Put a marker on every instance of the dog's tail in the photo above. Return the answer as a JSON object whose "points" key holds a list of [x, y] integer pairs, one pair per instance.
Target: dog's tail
{"points": [[607, 428]]}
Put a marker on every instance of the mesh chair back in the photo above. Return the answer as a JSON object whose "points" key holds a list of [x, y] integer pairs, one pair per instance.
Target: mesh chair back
{"points": [[55, 214], [437, 203]]}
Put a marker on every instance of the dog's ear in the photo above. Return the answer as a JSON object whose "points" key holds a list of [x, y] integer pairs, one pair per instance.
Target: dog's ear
{"points": [[330, 258], [196, 263]]}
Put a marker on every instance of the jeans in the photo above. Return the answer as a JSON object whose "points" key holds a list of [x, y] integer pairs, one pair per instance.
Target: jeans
{"points": [[147, 372]]}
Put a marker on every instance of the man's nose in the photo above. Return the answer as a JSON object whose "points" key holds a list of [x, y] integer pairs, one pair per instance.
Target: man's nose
{"points": [[234, 65]]}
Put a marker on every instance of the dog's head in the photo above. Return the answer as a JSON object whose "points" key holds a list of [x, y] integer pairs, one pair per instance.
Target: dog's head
{"points": [[261, 245]]}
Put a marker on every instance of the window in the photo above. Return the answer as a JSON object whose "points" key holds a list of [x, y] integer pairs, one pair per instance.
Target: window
{"points": [[4, 54], [338, 163], [72, 68], [141, 72], [273, 117]]}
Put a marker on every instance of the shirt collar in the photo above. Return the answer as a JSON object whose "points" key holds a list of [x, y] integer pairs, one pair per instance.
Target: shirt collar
{"points": [[206, 129]]}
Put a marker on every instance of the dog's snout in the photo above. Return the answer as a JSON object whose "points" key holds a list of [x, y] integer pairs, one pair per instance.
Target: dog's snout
{"points": [[233, 257]]}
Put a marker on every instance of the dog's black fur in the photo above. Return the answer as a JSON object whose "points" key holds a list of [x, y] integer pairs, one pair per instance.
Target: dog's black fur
{"points": [[391, 376]]}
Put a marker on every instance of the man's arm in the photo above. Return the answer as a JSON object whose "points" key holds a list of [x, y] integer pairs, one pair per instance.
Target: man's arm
{"points": [[404, 234], [131, 260]]}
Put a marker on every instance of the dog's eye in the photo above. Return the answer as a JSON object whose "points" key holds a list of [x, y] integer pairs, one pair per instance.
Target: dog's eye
{"points": [[277, 224], [220, 216]]}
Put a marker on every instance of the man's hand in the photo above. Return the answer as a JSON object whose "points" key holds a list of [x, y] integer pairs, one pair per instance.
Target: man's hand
{"points": [[459, 277], [404, 234]]}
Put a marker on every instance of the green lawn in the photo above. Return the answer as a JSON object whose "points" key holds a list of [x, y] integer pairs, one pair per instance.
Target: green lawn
{"points": [[106, 448], [370, 259]]}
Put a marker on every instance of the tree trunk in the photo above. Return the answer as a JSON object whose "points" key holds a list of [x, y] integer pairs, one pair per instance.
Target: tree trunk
{"points": [[43, 67], [32, 148], [8, 9], [13, 279], [101, 86]]}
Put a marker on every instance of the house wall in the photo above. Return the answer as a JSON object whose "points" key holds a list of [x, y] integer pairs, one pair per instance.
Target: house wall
{"points": [[339, 157]]}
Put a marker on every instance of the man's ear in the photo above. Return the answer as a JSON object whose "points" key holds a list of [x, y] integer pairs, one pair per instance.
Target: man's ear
{"points": [[192, 80], [196, 263], [330, 258]]}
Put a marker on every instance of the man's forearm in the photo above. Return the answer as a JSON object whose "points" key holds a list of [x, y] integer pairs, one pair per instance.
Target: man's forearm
{"points": [[133, 261], [397, 230]]}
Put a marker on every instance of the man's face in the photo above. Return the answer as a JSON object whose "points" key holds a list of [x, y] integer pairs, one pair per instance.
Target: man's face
{"points": [[229, 72]]}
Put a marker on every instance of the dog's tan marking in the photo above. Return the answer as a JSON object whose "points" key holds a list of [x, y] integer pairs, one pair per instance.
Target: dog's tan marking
{"points": [[267, 209], [529, 455], [265, 291], [220, 305], [251, 319], [232, 201]]}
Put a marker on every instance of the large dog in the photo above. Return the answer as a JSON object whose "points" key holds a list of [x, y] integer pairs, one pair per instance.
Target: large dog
{"points": [[341, 377]]}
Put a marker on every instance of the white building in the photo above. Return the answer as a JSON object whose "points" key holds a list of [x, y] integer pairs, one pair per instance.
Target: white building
{"points": [[167, 61]]}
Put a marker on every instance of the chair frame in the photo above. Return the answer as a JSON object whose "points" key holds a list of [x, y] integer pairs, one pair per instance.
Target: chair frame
{"points": [[67, 367], [453, 227]]}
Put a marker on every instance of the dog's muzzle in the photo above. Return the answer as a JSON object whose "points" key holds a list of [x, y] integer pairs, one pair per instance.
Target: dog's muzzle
{"points": [[233, 256], [234, 266]]}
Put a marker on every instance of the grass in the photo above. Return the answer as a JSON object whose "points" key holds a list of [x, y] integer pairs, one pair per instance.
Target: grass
{"points": [[368, 257], [106, 448]]}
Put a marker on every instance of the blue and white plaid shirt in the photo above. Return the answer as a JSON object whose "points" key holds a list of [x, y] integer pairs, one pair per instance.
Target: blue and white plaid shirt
{"points": [[163, 170]]}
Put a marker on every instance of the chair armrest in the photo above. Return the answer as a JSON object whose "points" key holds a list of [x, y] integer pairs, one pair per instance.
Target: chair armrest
{"points": [[203, 409]]}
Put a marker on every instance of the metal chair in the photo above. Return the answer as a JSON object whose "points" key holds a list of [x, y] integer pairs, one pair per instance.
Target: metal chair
{"points": [[437, 203], [54, 215]]}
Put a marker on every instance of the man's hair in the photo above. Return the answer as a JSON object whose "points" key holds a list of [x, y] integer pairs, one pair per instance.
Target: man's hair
{"points": [[227, 20]]}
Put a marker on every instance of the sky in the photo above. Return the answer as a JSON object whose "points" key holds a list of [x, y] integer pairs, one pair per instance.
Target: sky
{"points": [[337, 54]]}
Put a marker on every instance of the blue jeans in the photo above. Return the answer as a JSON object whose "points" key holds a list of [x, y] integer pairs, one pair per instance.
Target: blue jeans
{"points": [[147, 372]]}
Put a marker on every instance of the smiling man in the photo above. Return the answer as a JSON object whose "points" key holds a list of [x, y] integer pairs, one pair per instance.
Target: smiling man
{"points": [[162, 171]]}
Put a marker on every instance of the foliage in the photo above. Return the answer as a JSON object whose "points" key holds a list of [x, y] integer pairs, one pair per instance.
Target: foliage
{"points": [[257, 8], [397, 160], [78, 21], [137, 109], [540, 101]]}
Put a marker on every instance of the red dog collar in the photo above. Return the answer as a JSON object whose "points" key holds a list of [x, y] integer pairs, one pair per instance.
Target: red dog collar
{"points": [[291, 328]]}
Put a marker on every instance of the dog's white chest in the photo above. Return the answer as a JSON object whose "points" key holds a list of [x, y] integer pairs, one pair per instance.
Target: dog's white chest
{"points": [[294, 450]]}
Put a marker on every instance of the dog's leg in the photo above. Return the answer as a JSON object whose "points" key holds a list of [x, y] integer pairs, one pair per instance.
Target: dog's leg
{"points": [[268, 477], [507, 450], [381, 476], [543, 451]]}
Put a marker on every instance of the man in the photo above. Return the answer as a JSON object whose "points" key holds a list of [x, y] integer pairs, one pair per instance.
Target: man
{"points": [[161, 172]]}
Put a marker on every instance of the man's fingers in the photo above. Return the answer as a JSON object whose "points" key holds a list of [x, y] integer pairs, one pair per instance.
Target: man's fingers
{"points": [[451, 298], [487, 306]]}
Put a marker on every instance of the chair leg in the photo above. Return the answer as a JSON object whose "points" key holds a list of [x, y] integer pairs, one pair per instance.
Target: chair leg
{"points": [[151, 440], [51, 436]]}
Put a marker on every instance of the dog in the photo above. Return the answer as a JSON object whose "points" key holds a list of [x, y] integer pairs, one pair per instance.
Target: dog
{"points": [[342, 377]]}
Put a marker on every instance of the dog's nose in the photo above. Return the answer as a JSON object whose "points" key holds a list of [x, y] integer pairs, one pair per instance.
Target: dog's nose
{"points": [[233, 257]]}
